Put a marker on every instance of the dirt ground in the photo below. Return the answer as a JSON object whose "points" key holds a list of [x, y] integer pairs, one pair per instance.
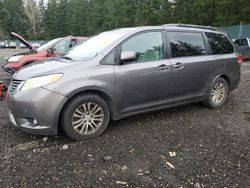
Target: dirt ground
{"points": [[188, 146]]}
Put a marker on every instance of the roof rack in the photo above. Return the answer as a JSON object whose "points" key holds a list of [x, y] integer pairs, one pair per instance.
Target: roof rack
{"points": [[192, 26]]}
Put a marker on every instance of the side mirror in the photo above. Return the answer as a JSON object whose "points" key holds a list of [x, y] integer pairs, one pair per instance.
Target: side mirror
{"points": [[128, 55]]}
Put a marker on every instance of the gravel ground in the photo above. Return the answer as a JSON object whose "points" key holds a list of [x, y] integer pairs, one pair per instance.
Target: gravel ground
{"points": [[188, 146]]}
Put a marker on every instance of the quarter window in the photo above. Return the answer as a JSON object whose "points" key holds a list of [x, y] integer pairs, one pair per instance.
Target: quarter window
{"points": [[219, 43], [147, 47], [110, 58], [187, 44]]}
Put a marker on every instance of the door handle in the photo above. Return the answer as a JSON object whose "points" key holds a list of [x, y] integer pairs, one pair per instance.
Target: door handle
{"points": [[178, 65], [163, 67]]}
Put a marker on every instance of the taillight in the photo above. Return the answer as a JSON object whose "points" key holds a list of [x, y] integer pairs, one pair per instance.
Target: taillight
{"points": [[240, 58]]}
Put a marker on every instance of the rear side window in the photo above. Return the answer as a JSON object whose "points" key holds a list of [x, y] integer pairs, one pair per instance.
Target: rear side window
{"points": [[219, 43], [186, 44]]}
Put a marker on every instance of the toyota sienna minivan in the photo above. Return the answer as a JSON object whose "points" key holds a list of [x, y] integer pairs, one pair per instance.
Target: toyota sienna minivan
{"points": [[123, 72]]}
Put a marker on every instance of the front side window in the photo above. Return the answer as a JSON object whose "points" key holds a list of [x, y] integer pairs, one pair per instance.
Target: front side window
{"points": [[186, 44], [219, 43], [147, 47]]}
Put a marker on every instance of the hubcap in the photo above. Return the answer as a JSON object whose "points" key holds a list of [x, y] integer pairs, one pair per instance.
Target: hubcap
{"points": [[87, 118], [218, 92]]}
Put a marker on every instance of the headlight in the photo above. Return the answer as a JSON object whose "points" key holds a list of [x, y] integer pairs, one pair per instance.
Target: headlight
{"points": [[40, 81], [15, 58]]}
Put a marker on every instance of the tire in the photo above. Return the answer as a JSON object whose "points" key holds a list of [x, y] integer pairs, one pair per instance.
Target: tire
{"points": [[85, 116], [213, 100]]}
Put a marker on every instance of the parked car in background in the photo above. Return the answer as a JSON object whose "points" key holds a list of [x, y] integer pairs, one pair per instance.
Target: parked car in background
{"points": [[35, 44], [123, 72], [2, 44], [50, 49], [243, 45], [12, 44]]}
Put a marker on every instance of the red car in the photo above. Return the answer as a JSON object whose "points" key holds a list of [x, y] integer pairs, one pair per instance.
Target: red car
{"points": [[50, 49]]}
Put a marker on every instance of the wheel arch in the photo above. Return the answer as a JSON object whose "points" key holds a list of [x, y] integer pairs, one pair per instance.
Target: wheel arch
{"points": [[102, 94], [225, 77]]}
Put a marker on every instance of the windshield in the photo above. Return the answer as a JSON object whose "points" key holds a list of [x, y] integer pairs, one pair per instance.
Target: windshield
{"points": [[93, 46], [47, 45]]}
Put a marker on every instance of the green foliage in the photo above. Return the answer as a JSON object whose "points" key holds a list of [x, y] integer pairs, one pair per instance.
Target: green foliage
{"points": [[12, 17], [32, 12], [88, 17]]}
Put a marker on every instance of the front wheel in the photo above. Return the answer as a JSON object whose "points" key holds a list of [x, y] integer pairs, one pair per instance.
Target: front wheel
{"points": [[85, 116], [217, 94]]}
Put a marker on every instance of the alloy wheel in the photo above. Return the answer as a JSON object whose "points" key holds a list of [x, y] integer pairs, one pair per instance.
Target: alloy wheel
{"points": [[87, 118], [218, 92]]}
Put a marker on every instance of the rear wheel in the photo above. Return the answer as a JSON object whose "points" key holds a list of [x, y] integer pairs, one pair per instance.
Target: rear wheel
{"points": [[217, 93], [85, 116]]}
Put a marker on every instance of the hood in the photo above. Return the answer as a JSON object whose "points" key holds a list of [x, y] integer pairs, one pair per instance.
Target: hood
{"points": [[55, 65], [41, 68], [25, 42]]}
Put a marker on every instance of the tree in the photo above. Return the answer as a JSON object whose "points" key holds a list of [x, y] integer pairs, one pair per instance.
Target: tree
{"points": [[12, 17], [232, 12], [87, 17], [32, 12], [78, 20], [50, 19], [41, 9], [153, 12]]}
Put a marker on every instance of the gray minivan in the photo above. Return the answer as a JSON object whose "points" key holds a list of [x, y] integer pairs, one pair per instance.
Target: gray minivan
{"points": [[123, 72]]}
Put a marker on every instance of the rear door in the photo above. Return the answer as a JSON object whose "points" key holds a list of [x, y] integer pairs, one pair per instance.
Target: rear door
{"points": [[191, 64], [144, 82]]}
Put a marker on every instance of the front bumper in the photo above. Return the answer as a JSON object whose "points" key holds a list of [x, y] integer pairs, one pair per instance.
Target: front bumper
{"points": [[36, 111]]}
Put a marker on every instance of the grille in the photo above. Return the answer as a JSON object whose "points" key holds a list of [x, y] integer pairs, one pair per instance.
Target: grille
{"points": [[14, 84]]}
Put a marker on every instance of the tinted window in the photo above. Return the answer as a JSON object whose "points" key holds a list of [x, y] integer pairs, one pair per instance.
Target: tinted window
{"points": [[147, 46], [219, 43], [237, 42], [186, 44]]}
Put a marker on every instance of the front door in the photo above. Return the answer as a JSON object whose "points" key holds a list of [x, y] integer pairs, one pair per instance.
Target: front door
{"points": [[143, 82]]}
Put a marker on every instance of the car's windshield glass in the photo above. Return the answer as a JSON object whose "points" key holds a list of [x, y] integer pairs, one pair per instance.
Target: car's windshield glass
{"points": [[93, 46], [47, 45]]}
